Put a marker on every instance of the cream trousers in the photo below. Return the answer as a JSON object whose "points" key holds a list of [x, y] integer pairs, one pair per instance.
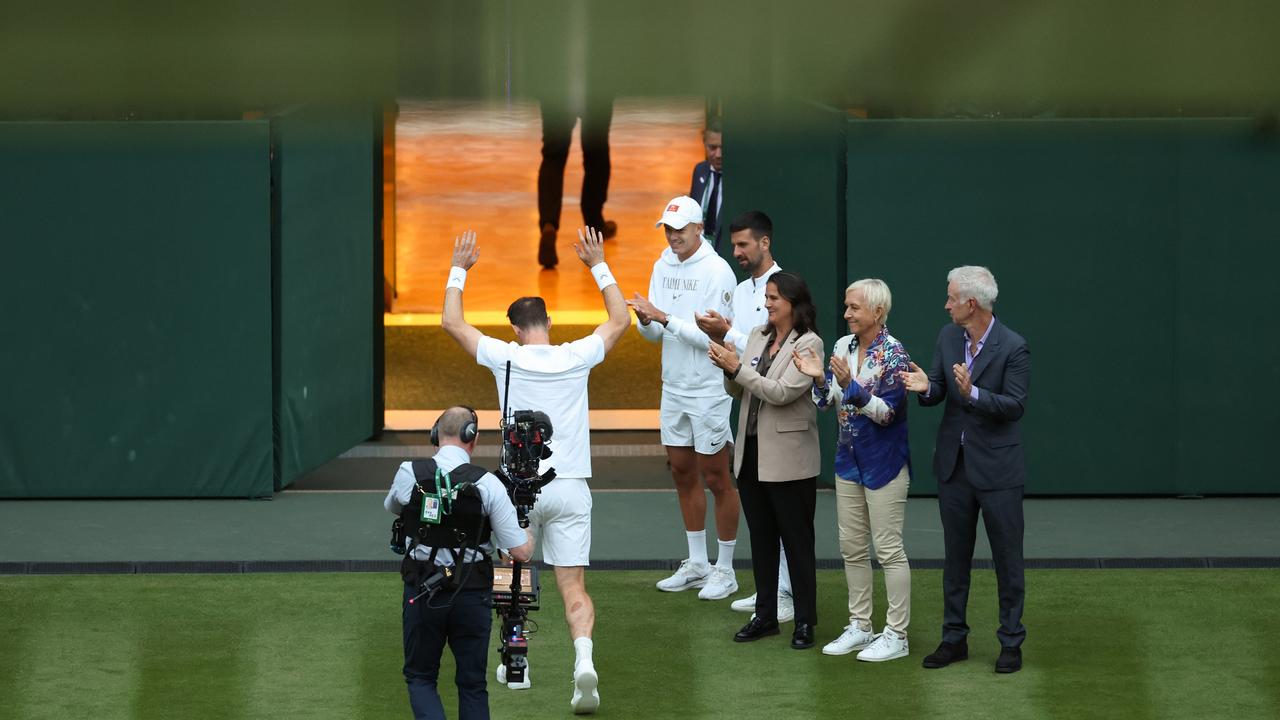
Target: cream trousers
{"points": [[864, 517]]}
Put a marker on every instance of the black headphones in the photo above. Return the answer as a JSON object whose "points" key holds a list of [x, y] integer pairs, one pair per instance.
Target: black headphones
{"points": [[468, 433]]}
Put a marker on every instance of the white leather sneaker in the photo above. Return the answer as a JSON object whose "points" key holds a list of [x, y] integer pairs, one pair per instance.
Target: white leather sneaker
{"points": [[888, 646], [786, 608], [686, 576], [853, 638], [722, 583], [585, 696]]}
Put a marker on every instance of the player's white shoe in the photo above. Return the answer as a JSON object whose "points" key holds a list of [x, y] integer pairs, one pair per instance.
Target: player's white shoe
{"points": [[786, 607], [686, 576], [585, 696], [722, 583]]}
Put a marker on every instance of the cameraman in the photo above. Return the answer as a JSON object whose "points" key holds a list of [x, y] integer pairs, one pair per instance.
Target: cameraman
{"points": [[553, 379], [459, 612]]}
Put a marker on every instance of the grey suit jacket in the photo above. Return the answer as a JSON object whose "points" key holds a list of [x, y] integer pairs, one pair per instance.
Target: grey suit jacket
{"points": [[787, 425], [993, 456]]}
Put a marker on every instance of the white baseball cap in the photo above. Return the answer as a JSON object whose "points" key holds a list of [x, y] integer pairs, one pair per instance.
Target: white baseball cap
{"points": [[680, 212]]}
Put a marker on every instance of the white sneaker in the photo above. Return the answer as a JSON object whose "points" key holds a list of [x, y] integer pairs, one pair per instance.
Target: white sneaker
{"points": [[786, 608], [501, 672], [888, 646], [853, 638], [722, 583], [585, 696], [686, 576]]}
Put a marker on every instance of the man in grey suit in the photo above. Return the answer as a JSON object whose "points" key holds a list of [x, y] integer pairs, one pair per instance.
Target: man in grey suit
{"points": [[982, 370]]}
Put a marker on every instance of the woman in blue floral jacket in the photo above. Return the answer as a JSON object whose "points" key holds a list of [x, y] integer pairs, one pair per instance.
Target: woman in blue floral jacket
{"points": [[873, 466]]}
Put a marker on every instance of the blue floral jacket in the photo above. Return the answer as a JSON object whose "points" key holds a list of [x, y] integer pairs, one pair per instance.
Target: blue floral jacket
{"points": [[872, 447]]}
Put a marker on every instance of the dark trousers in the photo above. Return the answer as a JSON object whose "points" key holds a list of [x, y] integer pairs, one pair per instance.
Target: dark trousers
{"points": [[464, 626], [959, 503], [780, 510], [557, 133]]}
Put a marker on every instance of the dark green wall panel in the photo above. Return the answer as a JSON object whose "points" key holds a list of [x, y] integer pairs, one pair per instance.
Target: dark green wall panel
{"points": [[136, 291], [1102, 235], [327, 336], [1227, 348]]}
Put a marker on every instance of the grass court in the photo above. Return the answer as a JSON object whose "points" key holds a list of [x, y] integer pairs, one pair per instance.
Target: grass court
{"points": [[1101, 644]]}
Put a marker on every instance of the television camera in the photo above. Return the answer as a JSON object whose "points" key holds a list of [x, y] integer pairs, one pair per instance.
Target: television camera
{"points": [[525, 434]]}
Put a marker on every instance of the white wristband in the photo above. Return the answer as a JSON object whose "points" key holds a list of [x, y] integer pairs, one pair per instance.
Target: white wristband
{"points": [[457, 278], [604, 278]]}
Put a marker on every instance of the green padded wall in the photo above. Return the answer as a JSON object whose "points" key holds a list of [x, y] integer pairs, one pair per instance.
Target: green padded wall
{"points": [[1125, 252], [1227, 351], [328, 284], [136, 293], [788, 160]]}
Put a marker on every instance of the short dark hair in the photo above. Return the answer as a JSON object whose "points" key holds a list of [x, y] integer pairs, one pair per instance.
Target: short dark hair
{"points": [[528, 313], [792, 287], [715, 125], [757, 222]]}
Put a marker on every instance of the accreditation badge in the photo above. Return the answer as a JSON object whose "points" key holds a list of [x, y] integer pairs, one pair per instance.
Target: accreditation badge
{"points": [[431, 508]]}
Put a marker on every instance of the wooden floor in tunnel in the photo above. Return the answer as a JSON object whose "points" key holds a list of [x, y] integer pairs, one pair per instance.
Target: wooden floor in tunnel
{"points": [[471, 165]]}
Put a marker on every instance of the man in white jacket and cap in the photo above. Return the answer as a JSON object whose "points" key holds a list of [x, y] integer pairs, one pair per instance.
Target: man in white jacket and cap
{"points": [[690, 278]]}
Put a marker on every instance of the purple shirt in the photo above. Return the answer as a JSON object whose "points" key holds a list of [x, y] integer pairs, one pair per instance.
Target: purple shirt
{"points": [[969, 357], [968, 362]]}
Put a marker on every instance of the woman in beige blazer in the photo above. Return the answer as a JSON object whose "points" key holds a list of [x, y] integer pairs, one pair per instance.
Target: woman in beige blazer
{"points": [[777, 458]]}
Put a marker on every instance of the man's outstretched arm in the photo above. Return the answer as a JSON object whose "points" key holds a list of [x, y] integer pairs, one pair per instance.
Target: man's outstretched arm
{"points": [[465, 254], [590, 249]]}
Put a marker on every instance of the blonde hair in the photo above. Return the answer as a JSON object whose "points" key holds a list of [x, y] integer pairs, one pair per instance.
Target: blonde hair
{"points": [[876, 294]]}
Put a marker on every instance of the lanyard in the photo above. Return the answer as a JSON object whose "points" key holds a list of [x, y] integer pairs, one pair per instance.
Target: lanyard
{"points": [[446, 493], [440, 502]]}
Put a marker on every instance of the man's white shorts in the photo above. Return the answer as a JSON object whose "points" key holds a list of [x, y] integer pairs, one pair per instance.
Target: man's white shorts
{"points": [[561, 521], [700, 422]]}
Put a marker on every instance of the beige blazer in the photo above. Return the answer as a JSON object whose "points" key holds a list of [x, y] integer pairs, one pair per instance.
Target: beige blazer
{"points": [[787, 427]]}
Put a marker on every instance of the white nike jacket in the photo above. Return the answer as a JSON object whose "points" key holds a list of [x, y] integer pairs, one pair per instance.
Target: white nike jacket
{"points": [[701, 283]]}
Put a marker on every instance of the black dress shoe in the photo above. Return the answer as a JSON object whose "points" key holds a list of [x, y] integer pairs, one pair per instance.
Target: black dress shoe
{"points": [[547, 247], [608, 229], [756, 629], [1010, 660], [802, 638], [946, 654]]}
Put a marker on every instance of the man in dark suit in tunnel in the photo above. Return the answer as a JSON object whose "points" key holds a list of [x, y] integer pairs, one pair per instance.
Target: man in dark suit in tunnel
{"points": [[707, 184]]}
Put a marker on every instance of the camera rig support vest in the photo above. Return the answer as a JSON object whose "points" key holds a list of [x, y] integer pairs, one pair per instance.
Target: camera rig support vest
{"points": [[458, 508]]}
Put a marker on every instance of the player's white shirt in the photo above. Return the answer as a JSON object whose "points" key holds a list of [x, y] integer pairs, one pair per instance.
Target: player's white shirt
{"points": [[703, 282], [553, 379], [748, 308]]}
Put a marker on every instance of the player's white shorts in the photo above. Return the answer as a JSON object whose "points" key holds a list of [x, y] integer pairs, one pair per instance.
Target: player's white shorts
{"points": [[561, 522], [700, 422]]}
